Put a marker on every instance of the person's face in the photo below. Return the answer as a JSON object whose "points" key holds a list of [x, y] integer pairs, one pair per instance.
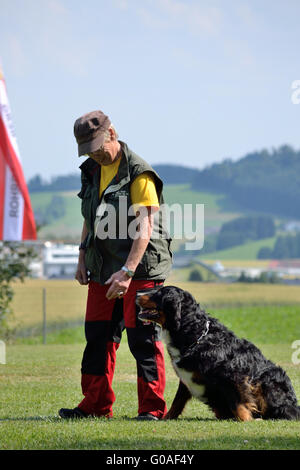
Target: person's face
{"points": [[107, 152]]}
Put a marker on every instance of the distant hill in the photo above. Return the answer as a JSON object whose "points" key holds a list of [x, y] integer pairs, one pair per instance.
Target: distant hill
{"points": [[175, 174], [170, 174], [262, 181], [266, 181], [69, 182]]}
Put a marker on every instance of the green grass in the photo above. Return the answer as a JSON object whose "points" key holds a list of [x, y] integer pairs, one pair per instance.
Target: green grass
{"points": [[70, 225], [263, 324], [66, 300], [248, 251], [39, 379]]}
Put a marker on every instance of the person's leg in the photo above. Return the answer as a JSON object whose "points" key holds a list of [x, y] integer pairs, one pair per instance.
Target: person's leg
{"points": [[146, 346], [103, 329]]}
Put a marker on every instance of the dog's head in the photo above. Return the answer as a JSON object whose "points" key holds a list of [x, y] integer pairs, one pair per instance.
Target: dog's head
{"points": [[164, 306]]}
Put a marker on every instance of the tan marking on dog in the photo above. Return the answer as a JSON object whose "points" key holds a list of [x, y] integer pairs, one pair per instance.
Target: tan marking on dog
{"points": [[145, 302], [252, 397], [162, 319], [242, 413], [261, 404]]}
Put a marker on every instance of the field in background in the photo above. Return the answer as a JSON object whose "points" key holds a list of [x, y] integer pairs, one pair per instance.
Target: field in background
{"points": [[66, 299], [71, 223], [240, 253], [217, 209], [39, 379]]}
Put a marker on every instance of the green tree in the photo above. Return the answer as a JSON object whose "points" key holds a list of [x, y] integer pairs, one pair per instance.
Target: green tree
{"points": [[195, 276], [14, 265], [265, 252]]}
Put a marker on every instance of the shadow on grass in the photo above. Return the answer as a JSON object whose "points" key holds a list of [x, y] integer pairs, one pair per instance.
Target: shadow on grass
{"points": [[54, 419]]}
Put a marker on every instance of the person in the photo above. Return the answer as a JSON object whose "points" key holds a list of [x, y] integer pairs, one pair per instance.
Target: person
{"points": [[124, 250]]}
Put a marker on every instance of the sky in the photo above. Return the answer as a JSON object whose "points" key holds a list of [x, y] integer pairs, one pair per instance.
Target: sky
{"points": [[186, 82]]}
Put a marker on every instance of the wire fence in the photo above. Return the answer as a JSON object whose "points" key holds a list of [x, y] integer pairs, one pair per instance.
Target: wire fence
{"points": [[41, 308]]}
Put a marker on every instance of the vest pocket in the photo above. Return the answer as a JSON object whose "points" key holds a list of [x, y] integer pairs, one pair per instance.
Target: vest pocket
{"points": [[93, 262], [151, 260], [147, 264]]}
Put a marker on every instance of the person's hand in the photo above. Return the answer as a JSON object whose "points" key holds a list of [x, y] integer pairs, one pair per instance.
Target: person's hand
{"points": [[119, 285], [81, 272]]}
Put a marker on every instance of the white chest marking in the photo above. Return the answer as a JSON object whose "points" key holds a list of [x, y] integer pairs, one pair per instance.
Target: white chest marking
{"points": [[196, 390]]}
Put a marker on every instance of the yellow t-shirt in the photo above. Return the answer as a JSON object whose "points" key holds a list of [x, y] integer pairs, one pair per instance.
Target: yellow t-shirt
{"points": [[142, 189]]}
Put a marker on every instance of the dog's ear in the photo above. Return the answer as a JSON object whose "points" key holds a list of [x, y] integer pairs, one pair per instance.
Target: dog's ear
{"points": [[189, 300], [171, 305]]}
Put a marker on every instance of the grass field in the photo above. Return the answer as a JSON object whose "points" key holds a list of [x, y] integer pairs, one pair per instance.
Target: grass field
{"points": [[39, 379], [245, 252]]}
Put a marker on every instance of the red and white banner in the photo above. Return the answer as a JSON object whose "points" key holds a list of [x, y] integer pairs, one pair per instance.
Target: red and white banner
{"points": [[16, 215]]}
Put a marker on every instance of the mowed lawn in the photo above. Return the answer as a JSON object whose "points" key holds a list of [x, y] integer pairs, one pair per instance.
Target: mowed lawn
{"points": [[39, 379]]}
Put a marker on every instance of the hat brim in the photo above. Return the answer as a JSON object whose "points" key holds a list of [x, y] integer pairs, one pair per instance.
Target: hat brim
{"points": [[91, 146]]}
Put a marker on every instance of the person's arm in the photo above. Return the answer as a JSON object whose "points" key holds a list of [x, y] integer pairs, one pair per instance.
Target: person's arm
{"points": [[120, 281], [81, 273]]}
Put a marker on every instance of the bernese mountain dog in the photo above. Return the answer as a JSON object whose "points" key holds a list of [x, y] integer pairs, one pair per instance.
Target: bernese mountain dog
{"points": [[229, 374]]}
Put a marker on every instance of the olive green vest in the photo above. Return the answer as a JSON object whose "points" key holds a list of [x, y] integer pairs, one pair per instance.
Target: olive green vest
{"points": [[106, 256]]}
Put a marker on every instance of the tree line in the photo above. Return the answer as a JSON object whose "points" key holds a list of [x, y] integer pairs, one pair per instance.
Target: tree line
{"points": [[268, 181], [239, 231], [69, 182], [285, 247]]}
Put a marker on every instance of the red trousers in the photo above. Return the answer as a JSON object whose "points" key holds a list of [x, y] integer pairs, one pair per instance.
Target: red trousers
{"points": [[104, 323]]}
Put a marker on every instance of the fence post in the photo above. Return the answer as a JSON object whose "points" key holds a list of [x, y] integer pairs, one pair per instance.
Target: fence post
{"points": [[44, 316], [2, 352]]}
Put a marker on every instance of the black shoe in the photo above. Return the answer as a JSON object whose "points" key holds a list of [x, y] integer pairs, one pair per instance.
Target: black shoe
{"points": [[75, 413], [146, 417]]}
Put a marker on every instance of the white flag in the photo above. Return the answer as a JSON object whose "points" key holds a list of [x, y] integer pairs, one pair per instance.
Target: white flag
{"points": [[16, 215]]}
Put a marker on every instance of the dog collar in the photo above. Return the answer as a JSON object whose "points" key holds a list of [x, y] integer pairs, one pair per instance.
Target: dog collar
{"points": [[190, 348], [204, 333]]}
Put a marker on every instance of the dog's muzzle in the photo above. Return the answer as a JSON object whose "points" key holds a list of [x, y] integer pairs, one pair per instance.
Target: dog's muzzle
{"points": [[148, 314]]}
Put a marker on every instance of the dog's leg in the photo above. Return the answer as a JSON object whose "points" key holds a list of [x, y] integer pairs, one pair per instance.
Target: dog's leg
{"points": [[182, 396], [242, 413]]}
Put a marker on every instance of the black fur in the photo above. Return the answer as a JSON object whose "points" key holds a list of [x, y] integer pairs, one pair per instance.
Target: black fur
{"points": [[239, 381]]}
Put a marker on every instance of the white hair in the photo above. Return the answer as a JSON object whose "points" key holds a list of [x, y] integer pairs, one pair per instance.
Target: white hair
{"points": [[107, 134]]}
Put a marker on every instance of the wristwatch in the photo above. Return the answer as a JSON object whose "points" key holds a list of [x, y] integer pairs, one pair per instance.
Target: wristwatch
{"points": [[127, 271], [82, 246]]}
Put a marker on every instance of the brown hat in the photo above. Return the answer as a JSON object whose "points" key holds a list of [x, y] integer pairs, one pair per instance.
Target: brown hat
{"points": [[89, 131]]}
